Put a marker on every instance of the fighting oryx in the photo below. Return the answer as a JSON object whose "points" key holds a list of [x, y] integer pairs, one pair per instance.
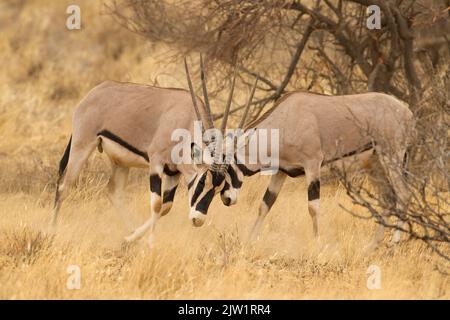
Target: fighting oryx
{"points": [[133, 125], [317, 130]]}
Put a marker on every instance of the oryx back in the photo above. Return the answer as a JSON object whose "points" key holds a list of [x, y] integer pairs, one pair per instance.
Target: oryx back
{"points": [[336, 126], [132, 122]]}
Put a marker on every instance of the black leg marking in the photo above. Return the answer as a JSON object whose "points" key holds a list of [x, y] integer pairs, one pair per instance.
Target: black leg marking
{"points": [[169, 172], [155, 184], [169, 195], [314, 190], [126, 145], [269, 198]]}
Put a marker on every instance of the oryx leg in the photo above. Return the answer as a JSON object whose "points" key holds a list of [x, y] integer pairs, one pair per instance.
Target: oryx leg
{"points": [[276, 182], [170, 185], [79, 154], [391, 188], [395, 172], [156, 172], [312, 173], [116, 188]]}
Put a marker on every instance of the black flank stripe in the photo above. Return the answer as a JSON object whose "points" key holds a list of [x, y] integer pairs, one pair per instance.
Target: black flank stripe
{"points": [[269, 198], [296, 172], [126, 145], [247, 172], [314, 190], [155, 184], [352, 153]]}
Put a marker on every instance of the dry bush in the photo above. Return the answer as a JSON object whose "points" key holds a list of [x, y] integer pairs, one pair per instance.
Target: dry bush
{"points": [[314, 45], [340, 55], [426, 176], [25, 246]]}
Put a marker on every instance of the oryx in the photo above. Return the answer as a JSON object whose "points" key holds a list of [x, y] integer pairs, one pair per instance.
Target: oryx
{"points": [[133, 125], [316, 130]]}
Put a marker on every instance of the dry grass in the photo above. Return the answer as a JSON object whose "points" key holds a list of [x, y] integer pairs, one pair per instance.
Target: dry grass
{"points": [[47, 72]]}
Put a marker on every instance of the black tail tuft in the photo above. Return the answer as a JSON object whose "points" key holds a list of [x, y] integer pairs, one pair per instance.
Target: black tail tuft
{"points": [[65, 158]]}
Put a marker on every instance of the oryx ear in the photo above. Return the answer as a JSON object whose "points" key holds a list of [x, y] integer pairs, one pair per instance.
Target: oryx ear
{"points": [[196, 153]]}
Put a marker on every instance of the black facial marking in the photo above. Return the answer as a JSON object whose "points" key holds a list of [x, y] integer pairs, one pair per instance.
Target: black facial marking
{"points": [[169, 195], [314, 190], [217, 179], [269, 198], [126, 145], [204, 203], [235, 182], [191, 183], [169, 172], [155, 184], [198, 189], [225, 188]]}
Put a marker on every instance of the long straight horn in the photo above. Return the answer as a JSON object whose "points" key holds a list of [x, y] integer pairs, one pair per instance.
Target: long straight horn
{"points": [[247, 107], [205, 94], [228, 106], [191, 90]]}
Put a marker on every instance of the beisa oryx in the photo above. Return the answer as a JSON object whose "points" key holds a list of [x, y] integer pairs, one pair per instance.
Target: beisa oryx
{"points": [[133, 125], [317, 130]]}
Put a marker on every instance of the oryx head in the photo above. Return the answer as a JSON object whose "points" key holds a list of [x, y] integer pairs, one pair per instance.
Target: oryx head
{"points": [[214, 157]]}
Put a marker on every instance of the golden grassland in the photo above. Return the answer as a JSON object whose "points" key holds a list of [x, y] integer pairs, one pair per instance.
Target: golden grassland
{"points": [[46, 71]]}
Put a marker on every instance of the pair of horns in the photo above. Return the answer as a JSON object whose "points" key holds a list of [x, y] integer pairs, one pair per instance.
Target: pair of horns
{"points": [[209, 118]]}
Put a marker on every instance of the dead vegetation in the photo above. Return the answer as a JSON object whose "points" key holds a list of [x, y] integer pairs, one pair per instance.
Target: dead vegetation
{"points": [[48, 72]]}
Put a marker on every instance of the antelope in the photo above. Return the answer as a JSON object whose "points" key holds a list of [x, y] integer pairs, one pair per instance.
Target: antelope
{"points": [[317, 130], [132, 124]]}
